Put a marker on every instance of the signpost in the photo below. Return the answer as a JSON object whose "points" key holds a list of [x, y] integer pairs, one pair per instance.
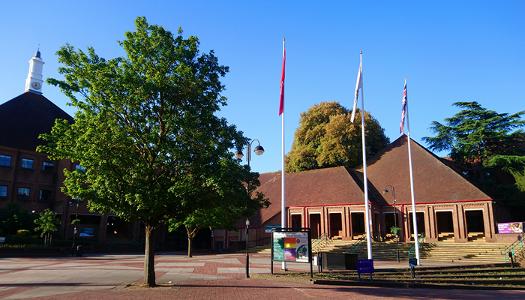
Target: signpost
{"points": [[365, 266], [292, 245], [271, 228]]}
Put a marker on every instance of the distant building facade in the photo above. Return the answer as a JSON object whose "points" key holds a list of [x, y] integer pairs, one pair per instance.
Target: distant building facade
{"points": [[33, 181]]}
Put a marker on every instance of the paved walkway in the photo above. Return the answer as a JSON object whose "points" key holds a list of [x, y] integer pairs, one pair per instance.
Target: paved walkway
{"points": [[200, 277]]}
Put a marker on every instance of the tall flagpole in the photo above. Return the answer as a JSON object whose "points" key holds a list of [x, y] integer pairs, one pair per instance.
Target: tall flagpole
{"points": [[283, 194], [365, 184], [414, 217]]}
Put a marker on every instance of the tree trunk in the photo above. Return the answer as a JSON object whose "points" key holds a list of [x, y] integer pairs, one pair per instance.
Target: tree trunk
{"points": [[189, 246], [149, 257], [190, 233]]}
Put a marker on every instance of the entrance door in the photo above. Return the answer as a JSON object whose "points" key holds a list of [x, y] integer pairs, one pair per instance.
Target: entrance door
{"points": [[358, 224], [336, 225], [390, 221], [420, 219], [315, 225], [296, 222], [475, 224], [445, 225]]}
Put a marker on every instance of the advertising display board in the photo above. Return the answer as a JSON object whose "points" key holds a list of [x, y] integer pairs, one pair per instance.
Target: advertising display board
{"points": [[515, 227], [292, 245]]}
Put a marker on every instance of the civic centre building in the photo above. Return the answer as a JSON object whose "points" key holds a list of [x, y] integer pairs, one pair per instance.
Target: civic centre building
{"points": [[330, 202]]}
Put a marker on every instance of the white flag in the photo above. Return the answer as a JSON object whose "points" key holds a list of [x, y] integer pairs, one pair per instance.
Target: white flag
{"points": [[358, 85]]}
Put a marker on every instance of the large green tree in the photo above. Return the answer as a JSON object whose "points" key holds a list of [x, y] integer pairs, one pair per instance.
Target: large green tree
{"points": [[327, 138], [145, 130], [488, 146]]}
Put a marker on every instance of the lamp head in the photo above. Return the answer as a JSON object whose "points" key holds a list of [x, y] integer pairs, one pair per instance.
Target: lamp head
{"points": [[259, 150], [239, 154], [247, 222]]}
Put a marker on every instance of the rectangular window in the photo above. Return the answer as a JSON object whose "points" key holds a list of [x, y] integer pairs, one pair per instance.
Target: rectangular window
{"points": [[3, 191], [48, 165], [5, 160], [44, 195], [23, 192], [26, 163]]}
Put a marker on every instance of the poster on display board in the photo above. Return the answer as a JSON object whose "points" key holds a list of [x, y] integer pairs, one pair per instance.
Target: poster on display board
{"points": [[291, 247], [514, 227]]}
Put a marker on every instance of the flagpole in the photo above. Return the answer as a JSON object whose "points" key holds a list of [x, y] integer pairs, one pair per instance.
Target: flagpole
{"points": [[283, 194], [414, 217], [365, 184]]}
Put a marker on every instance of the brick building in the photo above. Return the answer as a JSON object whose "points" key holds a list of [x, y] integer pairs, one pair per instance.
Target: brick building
{"points": [[29, 178], [330, 201]]}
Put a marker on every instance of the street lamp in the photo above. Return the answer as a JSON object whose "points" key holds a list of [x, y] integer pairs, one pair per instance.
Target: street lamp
{"points": [[259, 150], [388, 189], [247, 255]]}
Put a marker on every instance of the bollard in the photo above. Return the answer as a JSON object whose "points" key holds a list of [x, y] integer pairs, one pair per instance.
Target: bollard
{"points": [[511, 259]]}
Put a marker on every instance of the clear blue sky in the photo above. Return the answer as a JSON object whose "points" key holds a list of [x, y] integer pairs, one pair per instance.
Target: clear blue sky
{"points": [[448, 50]]}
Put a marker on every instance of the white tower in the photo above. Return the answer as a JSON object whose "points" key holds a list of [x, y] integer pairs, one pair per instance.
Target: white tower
{"points": [[34, 79]]}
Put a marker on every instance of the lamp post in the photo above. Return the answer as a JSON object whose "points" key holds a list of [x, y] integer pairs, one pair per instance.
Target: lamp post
{"points": [[259, 150], [391, 188]]}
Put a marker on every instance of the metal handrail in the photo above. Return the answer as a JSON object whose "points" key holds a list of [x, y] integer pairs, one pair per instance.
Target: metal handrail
{"points": [[323, 238], [511, 247], [357, 244]]}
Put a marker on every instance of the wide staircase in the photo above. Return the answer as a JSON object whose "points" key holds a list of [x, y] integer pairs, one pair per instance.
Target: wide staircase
{"points": [[476, 252]]}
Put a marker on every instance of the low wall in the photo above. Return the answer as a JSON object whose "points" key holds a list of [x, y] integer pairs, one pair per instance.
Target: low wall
{"points": [[507, 237]]}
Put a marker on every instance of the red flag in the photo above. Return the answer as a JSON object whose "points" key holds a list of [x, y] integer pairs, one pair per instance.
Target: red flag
{"points": [[281, 102]]}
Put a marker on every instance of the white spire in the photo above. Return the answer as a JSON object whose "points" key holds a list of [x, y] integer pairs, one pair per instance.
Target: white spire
{"points": [[35, 79]]}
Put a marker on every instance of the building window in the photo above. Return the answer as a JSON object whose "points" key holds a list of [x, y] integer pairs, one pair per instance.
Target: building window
{"points": [[48, 165], [27, 163], [44, 195], [23, 192], [5, 160], [3, 191]]}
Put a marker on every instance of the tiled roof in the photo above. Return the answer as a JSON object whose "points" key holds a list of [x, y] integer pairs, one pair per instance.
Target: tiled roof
{"points": [[434, 182], [310, 188], [23, 118]]}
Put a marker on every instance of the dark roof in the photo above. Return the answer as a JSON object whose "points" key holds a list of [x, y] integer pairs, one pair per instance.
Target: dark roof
{"points": [[309, 188], [434, 181], [25, 117]]}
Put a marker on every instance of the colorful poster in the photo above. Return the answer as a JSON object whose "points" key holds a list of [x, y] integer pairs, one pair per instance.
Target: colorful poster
{"points": [[515, 227], [290, 246]]}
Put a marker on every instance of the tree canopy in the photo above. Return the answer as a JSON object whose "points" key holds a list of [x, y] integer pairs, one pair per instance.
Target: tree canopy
{"points": [[146, 131], [327, 138], [488, 146]]}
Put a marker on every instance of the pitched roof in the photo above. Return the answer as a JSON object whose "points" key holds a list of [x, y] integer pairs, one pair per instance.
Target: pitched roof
{"points": [[434, 181], [310, 188], [25, 117]]}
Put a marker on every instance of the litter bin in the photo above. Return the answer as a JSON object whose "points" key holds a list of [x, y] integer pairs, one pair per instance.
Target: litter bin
{"points": [[339, 261]]}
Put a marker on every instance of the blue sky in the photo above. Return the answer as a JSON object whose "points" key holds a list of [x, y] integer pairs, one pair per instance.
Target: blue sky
{"points": [[448, 50]]}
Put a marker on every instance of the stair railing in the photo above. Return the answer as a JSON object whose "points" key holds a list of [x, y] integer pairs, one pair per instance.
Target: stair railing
{"points": [[321, 242], [512, 249], [412, 249], [356, 247]]}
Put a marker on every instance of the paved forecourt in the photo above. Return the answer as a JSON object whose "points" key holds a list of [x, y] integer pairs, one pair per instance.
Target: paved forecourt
{"points": [[200, 277]]}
